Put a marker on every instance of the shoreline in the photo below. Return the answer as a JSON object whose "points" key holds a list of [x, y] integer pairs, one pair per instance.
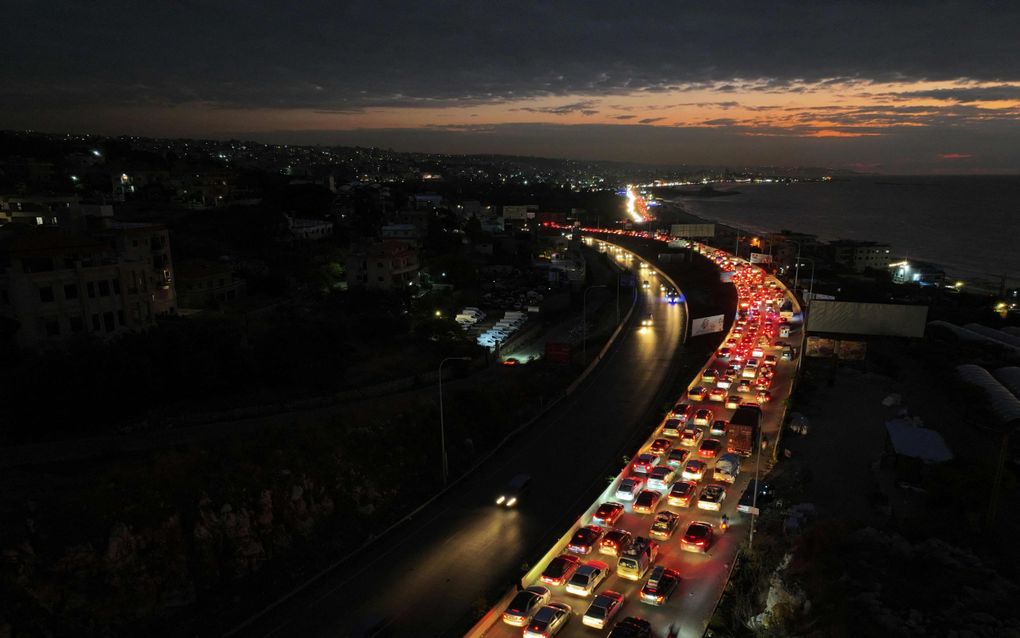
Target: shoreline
{"points": [[983, 283]]}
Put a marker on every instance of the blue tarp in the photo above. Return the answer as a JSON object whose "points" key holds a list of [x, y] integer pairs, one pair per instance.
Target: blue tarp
{"points": [[917, 443]]}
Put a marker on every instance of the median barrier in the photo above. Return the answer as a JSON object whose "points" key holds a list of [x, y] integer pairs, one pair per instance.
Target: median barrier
{"points": [[451, 485]]}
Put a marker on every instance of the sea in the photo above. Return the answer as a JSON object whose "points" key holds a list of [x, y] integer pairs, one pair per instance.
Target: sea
{"points": [[968, 225]]}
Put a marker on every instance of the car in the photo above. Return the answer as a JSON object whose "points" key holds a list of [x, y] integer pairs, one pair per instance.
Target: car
{"points": [[763, 397], [615, 542], [691, 437], [647, 502], [661, 478], [677, 457], [767, 371], [733, 401], [709, 375], [682, 493], [681, 411], [660, 446], [629, 488], [709, 448], [603, 609], [718, 427], [673, 427], [639, 557], [664, 525], [762, 383], [644, 463], [513, 491], [770, 360], [525, 604], [548, 621], [744, 385], [607, 513], [717, 394], [697, 393], [632, 627], [758, 351], [587, 578], [723, 353], [694, 470], [711, 497], [660, 585], [560, 569], [747, 500], [584, 539], [646, 285], [749, 372], [698, 537], [703, 416], [647, 321], [724, 382]]}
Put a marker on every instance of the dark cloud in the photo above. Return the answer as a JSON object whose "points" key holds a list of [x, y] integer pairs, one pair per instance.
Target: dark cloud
{"points": [[626, 117], [722, 121], [344, 56], [966, 93], [650, 120], [584, 107]]}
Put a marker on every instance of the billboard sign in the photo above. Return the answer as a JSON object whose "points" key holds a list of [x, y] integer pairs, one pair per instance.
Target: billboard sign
{"points": [[707, 325], [761, 258], [851, 350], [692, 230], [820, 347], [847, 317]]}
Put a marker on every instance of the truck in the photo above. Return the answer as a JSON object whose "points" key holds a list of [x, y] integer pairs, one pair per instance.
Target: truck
{"points": [[744, 427]]}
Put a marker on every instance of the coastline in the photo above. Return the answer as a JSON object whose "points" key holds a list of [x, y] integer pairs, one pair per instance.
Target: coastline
{"points": [[982, 283]]}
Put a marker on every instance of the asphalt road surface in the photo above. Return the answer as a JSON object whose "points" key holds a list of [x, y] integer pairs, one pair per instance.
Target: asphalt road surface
{"points": [[430, 575], [703, 576]]}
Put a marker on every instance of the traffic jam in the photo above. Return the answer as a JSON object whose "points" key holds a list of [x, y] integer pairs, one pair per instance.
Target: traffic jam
{"points": [[653, 555]]}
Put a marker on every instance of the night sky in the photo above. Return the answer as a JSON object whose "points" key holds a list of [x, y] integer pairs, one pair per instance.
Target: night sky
{"points": [[909, 87]]}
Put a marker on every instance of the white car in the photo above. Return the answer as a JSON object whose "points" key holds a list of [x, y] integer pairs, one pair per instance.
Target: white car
{"points": [[661, 479], [629, 488], [525, 604], [603, 609], [548, 621], [711, 497], [587, 577]]}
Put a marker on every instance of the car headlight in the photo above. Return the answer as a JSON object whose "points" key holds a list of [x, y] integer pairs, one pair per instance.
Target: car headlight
{"points": [[512, 501], [499, 501]]}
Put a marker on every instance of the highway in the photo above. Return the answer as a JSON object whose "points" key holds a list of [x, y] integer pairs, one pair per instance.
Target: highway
{"points": [[429, 576], [703, 576]]}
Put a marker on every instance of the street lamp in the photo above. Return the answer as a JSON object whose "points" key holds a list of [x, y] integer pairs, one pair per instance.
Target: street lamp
{"points": [[584, 321], [757, 485], [811, 287], [442, 424]]}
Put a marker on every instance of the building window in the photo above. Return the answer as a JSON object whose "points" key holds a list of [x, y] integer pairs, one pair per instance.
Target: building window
{"points": [[92, 289], [120, 318], [95, 323], [52, 328], [116, 286], [104, 288], [46, 294], [108, 324], [77, 325], [70, 291]]}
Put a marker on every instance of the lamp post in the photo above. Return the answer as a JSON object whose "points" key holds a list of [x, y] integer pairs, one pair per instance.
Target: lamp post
{"points": [[757, 487], [442, 424], [584, 321]]}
